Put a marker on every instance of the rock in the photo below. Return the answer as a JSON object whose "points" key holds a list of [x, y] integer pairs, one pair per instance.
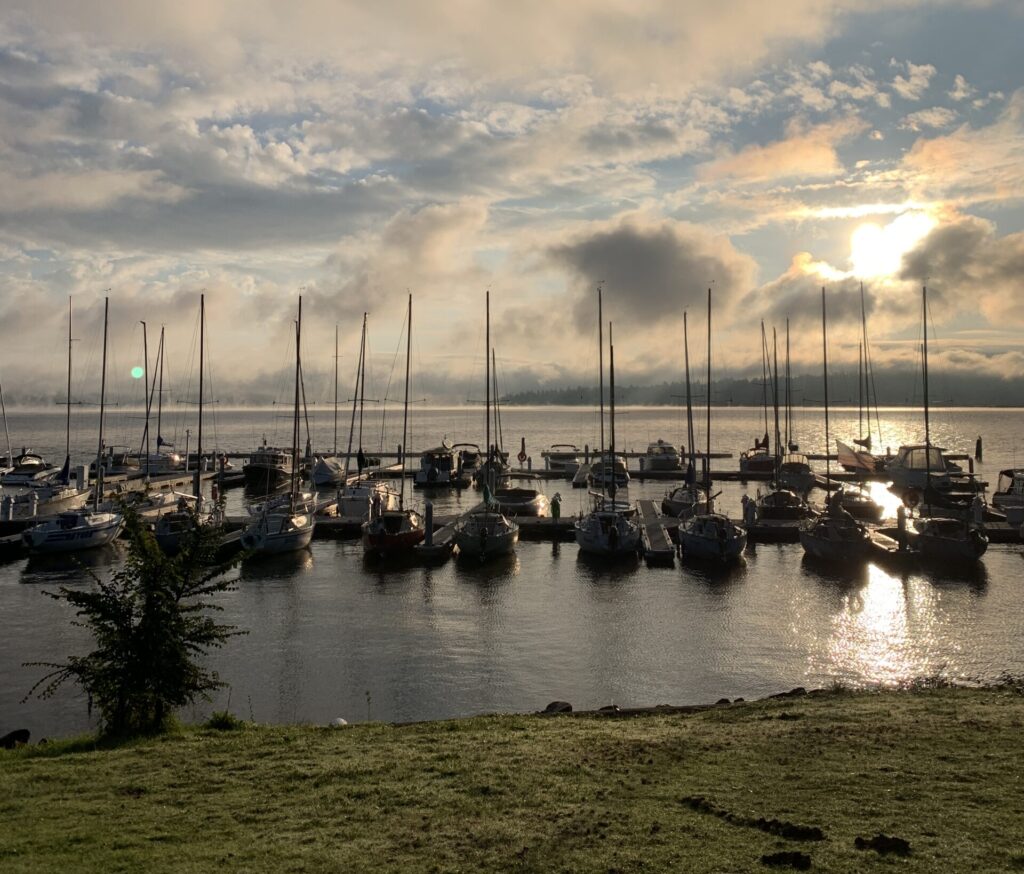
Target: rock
{"points": [[799, 861], [339, 722], [723, 701], [737, 700], [609, 708], [882, 843], [558, 707], [792, 693], [18, 737]]}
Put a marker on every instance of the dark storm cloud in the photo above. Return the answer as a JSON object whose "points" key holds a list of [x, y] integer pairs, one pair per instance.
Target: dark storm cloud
{"points": [[650, 268], [797, 297]]}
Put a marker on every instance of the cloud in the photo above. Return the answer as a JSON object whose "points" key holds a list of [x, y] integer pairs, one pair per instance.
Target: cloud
{"points": [[805, 153], [915, 84], [972, 267], [961, 89], [937, 117], [650, 267]]}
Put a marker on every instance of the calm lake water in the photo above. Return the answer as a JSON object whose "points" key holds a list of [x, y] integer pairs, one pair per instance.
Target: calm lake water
{"points": [[331, 634]]}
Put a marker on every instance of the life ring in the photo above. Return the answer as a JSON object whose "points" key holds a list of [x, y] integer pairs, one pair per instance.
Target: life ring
{"points": [[521, 456], [911, 497]]}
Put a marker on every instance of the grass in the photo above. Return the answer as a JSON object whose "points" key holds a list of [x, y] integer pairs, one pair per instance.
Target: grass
{"points": [[938, 767]]}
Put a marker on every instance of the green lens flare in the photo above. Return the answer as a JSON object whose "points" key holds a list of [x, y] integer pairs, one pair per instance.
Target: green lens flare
{"points": [[137, 372]]}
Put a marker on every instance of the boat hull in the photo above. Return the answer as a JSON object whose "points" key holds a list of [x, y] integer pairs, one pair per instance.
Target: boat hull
{"points": [[50, 536]]}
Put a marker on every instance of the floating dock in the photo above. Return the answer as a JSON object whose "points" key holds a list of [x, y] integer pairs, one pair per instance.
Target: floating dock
{"points": [[658, 549]]}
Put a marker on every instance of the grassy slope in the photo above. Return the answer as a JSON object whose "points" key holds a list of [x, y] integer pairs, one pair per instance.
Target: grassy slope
{"points": [[941, 768]]}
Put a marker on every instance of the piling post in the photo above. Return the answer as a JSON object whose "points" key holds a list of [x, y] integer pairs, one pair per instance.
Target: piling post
{"points": [[429, 520]]}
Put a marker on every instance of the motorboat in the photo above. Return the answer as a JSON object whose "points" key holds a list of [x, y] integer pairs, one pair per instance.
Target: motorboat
{"points": [[357, 499], [469, 456], [662, 456], [712, 536], [835, 537], [73, 530], [949, 540], [858, 503], [327, 470], [28, 469], [522, 502], [485, 534], [267, 468], [278, 530], [781, 504], [795, 473], [609, 471], [437, 468], [562, 457], [1009, 491], [920, 467], [686, 501]]}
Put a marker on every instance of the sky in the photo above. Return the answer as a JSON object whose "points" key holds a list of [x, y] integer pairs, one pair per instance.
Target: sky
{"points": [[354, 153]]}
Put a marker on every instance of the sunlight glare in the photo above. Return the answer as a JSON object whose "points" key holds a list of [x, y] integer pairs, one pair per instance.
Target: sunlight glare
{"points": [[877, 251]]}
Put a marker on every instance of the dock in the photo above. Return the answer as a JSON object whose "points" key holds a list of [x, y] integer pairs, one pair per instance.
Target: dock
{"points": [[658, 549]]}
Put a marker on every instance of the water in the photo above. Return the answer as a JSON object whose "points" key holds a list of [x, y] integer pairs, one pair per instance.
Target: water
{"points": [[330, 634]]}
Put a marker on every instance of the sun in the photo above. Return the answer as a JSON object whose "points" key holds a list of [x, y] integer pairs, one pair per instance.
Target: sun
{"points": [[878, 250]]}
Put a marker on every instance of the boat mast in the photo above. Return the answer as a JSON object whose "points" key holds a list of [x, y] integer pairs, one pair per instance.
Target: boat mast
{"points": [[487, 392], [197, 488], [160, 394], [362, 382], [355, 400], [499, 437], [860, 391], [869, 375], [335, 390], [103, 399], [3, 409], [824, 367], [600, 365], [764, 376], [610, 481], [775, 398], [145, 383], [405, 409], [707, 454], [689, 402], [789, 402], [295, 415], [67, 427], [927, 418]]}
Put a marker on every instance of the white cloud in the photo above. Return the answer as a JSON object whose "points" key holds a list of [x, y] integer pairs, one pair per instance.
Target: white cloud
{"points": [[937, 117], [915, 84], [961, 89]]}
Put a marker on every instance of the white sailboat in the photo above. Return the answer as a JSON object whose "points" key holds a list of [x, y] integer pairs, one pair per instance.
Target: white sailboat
{"points": [[488, 532], [687, 500], [608, 530], [711, 535], [394, 532], [75, 530], [836, 536], [285, 527]]}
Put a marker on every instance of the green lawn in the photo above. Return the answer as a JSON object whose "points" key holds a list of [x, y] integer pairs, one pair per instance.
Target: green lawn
{"points": [[940, 768]]}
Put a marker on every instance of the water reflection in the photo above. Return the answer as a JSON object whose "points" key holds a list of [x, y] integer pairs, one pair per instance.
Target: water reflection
{"points": [[277, 567], [500, 569], [71, 567], [605, 568], [714, 573]]}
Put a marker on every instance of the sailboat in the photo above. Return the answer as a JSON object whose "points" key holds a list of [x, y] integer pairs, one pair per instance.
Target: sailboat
{"points": [[836, 536], [688, 499], [191, 511], [782, 501], [48, 490], [356, 498], [488, 532], [390, 532], [709, 534], [610, 529], [74, 530], [285, 526], [941, 539], [328, 469]]}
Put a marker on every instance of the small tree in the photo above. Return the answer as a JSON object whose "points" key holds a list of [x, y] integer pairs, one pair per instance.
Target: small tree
{"points": [[151, 627]]}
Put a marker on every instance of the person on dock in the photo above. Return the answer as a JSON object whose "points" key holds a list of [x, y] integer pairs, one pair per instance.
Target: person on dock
{"points": [[901, 527]]}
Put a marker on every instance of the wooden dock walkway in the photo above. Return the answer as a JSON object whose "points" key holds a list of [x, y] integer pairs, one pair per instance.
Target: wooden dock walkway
{"points": [[658, 549]]}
